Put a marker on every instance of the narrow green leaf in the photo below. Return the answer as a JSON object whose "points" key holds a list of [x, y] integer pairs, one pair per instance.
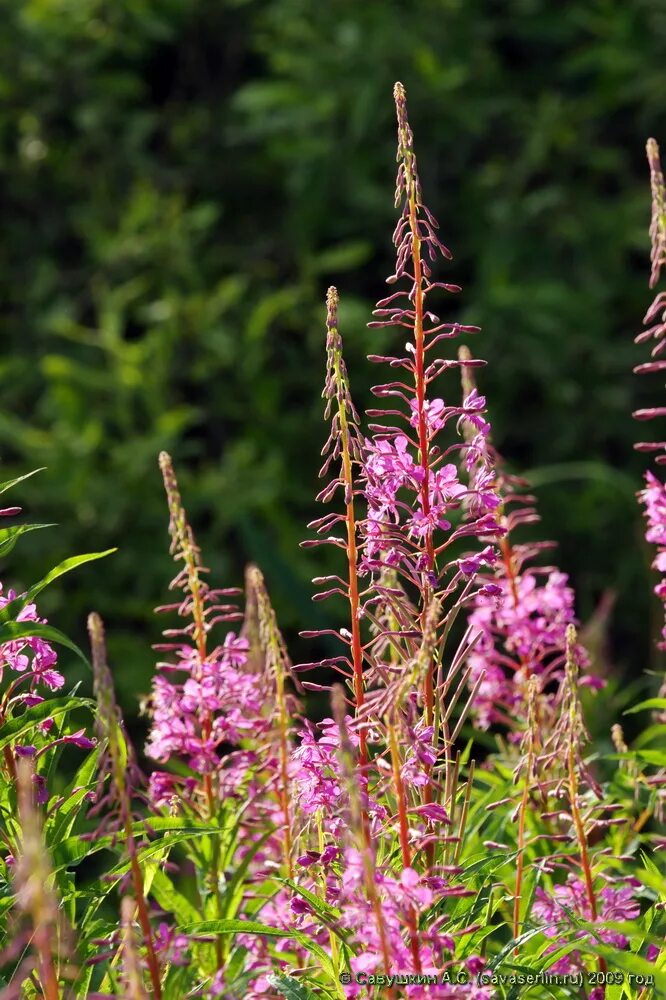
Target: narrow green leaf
{"points": [[19, 479], [54, 708], [235, 887], [657, 757], [628, 962], [171, 900], [659, 703], [328, 914], [254, 927], [512, 945], [59, 827], [321, 907], [173, 831], [236, 927], [10, 610], [11, 631], [10, 536], [290, 988]]}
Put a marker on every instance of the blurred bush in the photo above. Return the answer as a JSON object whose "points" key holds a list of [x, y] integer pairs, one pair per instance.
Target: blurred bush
{"points": [[181, 181]]}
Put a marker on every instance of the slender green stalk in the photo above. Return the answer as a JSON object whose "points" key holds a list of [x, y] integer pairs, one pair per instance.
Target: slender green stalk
{"points": [[277, 665], [528, 766], [110, 722]]}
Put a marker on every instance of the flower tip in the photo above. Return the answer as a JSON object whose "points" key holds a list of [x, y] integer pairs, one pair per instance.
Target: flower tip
{"points": [[94, 622], [652, 150], [332, 302], [97, 639]]}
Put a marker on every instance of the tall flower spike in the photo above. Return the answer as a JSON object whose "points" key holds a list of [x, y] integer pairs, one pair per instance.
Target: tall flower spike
{"points": [[343, 446], [411, 485], [185, 719], [278, 670], [250, 631], [411, 489], [569, 739], [119, 754], [190, 580], [653, 496], [122, 765], [522, 614], [658, 220], [185, 549], [202, 699], [655, 318]]}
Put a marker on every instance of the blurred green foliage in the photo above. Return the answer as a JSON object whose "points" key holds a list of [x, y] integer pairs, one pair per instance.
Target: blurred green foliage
{"points": [[180, 183]]}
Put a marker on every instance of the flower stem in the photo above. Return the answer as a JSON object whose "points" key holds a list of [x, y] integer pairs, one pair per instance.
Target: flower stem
{"points": [[284, 771], [404, 837]]}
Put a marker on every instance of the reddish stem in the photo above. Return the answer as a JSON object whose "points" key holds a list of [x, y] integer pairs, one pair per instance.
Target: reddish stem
{"points": [[582, 842], [404, 839], [47, 975], [144, 920], [424, 461], [354, 605]]}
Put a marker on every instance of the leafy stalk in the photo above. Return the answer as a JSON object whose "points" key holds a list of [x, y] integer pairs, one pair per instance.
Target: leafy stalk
{"points": [[278, 667], [112, 728]]}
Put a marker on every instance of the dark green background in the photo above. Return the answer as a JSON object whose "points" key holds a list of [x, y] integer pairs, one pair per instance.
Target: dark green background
{"points": [[180, 181]]}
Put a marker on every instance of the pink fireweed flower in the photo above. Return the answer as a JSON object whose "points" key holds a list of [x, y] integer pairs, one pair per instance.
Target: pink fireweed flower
{"points": [[204, 700], [411, 487], [655, 318], [316, 778], [652, 496], [33, 657], [653, 499], [400, 895], [28, 670], [420, 756], [520, 613], [234, 700], [616, 902], [522, 627], [171, 946]]}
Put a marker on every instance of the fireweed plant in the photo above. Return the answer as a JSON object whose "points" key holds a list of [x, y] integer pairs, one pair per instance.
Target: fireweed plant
{"points": [[448, 830]]}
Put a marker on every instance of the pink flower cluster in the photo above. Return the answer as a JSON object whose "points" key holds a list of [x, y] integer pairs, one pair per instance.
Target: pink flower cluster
{"points": [[616, 903], [215, 689], [522, 632], [34, 660], [653, 498], [520, 616], [394, 493], [32, 657]]}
